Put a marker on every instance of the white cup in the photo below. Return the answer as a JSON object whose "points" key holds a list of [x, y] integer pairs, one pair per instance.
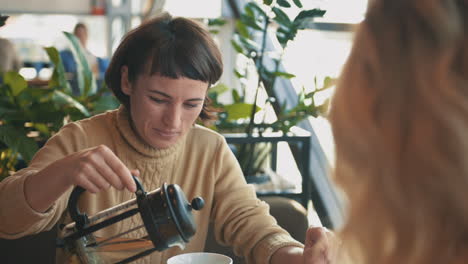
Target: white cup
{"points": [[200, 258]]}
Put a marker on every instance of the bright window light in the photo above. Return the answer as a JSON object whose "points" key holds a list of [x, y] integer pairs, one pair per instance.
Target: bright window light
{"points": [[28, 73], [45, 73], [194, 9], [339, 11]]}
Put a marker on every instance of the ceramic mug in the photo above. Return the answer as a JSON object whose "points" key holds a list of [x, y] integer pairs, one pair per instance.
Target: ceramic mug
{"points": [[200, 258]]}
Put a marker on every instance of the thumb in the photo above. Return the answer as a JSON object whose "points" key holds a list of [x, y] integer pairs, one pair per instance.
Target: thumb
{"points": [[316, 246]]}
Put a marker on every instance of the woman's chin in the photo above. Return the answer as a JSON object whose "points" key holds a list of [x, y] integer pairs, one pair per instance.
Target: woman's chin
{"points": [[163, 144]]}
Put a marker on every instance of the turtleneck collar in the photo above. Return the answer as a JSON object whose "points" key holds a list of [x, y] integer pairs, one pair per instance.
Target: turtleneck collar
{"points": [[135, 141]]}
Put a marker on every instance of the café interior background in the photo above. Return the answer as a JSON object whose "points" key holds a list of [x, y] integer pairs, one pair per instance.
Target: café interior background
{"points": [[315, 52]]}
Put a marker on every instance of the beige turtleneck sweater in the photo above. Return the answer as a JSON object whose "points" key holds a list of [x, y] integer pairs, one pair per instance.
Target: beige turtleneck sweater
{"points": [[201, 163]]}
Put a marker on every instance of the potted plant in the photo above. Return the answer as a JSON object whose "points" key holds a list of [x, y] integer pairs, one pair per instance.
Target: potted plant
{"points": [[246, 115], [29, 115]]}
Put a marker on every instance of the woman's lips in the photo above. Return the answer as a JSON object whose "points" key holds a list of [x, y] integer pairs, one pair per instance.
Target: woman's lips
{"points": [[167, 134]]}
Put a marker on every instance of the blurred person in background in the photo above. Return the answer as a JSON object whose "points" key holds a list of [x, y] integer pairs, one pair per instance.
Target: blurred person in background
{"points": [[97, 65], [81, 32], [9, 59]]}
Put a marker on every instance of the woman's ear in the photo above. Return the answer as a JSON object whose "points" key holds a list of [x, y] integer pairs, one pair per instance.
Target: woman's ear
{"points": [[124, 82]]}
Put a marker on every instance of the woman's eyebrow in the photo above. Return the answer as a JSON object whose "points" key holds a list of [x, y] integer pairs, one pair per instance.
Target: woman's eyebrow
{"points": [[170, 97], [196, 99], [160, 93]]}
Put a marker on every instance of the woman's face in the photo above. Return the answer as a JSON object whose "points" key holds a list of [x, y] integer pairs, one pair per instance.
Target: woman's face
{"points": [[163, 109]]}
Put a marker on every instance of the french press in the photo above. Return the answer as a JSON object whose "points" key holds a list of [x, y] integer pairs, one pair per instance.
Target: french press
{"points": [[167, 221]]}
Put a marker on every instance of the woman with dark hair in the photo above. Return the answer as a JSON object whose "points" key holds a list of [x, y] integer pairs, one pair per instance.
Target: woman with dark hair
{"points": [[160, 73]]}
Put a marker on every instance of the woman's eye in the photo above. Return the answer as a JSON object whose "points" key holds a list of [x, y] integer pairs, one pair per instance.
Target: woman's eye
{"points": [[191, 105], [159, 101]]}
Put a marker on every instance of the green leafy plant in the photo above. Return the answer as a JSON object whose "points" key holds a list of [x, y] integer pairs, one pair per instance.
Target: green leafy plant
{"points": [[29, 115], [250, 42]]}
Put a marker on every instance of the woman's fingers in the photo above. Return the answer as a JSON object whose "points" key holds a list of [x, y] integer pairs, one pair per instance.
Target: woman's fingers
{"points": [[106, 163], [135, 172], [321, 246], [316, 246], [92, 174], [87, 184], [98, 168], [121, 173]]}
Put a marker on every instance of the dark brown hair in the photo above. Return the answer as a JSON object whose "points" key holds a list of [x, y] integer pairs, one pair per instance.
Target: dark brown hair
{"points": [[79, 25], [171, 47]]}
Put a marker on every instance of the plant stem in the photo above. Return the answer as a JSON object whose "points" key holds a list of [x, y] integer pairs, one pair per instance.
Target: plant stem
{"points": [[251, 125]]}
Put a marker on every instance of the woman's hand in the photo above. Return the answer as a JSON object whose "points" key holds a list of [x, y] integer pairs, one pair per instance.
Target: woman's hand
{"points": [[94, 169], [321, 246]]}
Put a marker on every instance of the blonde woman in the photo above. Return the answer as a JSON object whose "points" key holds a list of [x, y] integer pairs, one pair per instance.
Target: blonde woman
{"points": [[400, 122]]}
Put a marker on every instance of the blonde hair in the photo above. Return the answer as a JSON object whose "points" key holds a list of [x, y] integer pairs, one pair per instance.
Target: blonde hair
{"points": [[400, 123]]}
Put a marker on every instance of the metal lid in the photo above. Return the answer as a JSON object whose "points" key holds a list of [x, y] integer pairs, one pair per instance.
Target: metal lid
{"points": [[181, 210]]}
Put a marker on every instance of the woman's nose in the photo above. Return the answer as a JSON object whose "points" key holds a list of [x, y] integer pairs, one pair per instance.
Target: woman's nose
{"points": [[172, 117]]}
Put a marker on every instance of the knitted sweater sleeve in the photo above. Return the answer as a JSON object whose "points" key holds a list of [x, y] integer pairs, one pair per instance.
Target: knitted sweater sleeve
{"points": [[240, 219], [17, 218]]}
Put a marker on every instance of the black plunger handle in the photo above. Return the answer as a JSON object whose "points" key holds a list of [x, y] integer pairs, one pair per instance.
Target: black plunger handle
{"points": [[81, 219], [75, 214]]}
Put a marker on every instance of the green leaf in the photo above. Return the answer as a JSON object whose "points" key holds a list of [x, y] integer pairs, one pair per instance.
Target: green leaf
{"points": [[282, 39], [284, 75], [16, 139], [250, 21], [43, 128], [5, 111], [63, 99], [59, 76], [15, 81], [267, 2], [242, 29], [216, 22], [298, 3], [324, 108], [328, 82], [286, 34], [237, 47], [281, 17], [238, 74], [47, 112], [311, 13], [239, 110], [255, 10], [86, 82], [235, 96], [250, 45], [219, 88], [104, 103], [283, 3]]}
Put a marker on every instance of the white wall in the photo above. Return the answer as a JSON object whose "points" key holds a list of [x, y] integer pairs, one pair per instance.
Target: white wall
{"points": [[45, 6]]}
